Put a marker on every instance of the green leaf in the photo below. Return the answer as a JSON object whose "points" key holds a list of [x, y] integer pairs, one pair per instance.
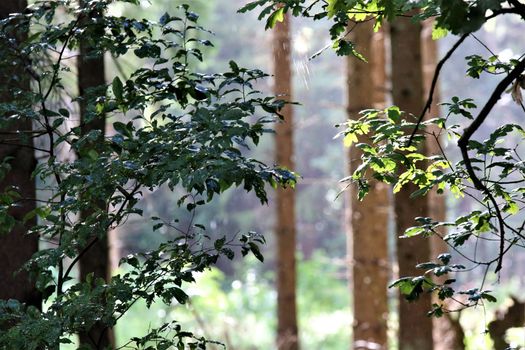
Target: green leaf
{"points": [[256, 251], [164, 19], [511, 207], [414, 231], [438, 32], [64, 112], [393, 114], [332, 7], [277, 16], [488, 297], [437, 311], [251, 5], [349, 139], [219, 243], [427, 266], [179, 295], [57, 122], [444, 258], [345, 48], [117, 88]]}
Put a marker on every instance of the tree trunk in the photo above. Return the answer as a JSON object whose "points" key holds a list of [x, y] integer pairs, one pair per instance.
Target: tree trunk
{"points": [[17, 247], [368, 219], [287, 336], [91, 74], [415, 327], [513, 316], [447, 334]]}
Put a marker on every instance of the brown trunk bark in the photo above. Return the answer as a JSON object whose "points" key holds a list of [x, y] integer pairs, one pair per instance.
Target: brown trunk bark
{"points": [[513, 316], [91, 74], [17, 247], [287, 335], [378, 62], [415, 327], [447, 333], [368, 219]]}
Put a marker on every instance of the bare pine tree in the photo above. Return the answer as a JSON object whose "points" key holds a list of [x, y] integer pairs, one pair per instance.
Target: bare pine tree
{"points": [[415, 327], [287, 337], [91, 82], [16, 141], [368, 219]]}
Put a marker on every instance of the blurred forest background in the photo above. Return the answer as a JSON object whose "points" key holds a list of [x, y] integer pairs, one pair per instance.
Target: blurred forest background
{"points": [[236, 302]]}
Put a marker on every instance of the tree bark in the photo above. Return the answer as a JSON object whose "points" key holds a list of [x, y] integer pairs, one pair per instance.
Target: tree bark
{"points": [[447, 332], [91, 74], [415, 327], [513, 316], [368, 219], [287, 333], [17, 246]]}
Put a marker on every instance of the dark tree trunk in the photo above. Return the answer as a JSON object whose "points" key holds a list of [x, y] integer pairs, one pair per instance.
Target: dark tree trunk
{"points": [[91, 74], [368, 219], [415, 327], [287, 337], [17, 246]]}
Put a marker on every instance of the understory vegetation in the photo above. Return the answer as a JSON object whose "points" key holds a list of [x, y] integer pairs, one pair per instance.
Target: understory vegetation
{"points": [[163, 186]]}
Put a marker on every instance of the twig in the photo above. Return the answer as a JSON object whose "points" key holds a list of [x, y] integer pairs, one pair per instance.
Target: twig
{"points": [[95, 239], [433, 85], [485, 46], [465, 138], [25, 146], [520, 8], [50, 131]]}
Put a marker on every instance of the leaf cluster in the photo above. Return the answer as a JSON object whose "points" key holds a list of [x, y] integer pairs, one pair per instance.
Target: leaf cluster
{"points": [[172, 126], [457, 16]]}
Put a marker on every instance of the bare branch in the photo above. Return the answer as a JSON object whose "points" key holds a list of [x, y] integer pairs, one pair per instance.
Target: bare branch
{"points": [[434, 83], [465, 138]]}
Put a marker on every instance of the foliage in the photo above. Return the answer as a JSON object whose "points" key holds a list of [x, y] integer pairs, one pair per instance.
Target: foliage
{"points": [[490, 171], [230, 309], [173, 126], [317, 84]]}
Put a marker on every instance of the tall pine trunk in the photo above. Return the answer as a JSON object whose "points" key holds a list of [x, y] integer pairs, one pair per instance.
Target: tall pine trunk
{"points": [[448, 334], [91, 74], [415, 327], [368, 219], [17, 246], [287, 334]]}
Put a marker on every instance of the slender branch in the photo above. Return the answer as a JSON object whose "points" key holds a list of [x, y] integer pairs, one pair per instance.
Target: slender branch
{"points": [[18, 132], [77, 258], [438, 142], [485, 46], [128, 197], [24, 146], [430, 98], [465, 138], [50, 131], [504, 11], [72, 30], [496, 95], [348, 31], [519, 7]]}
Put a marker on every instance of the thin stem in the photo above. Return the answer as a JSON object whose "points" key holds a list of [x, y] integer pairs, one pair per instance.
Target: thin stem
{"points": [[430, 98], [95, 239], [469, 132]]}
